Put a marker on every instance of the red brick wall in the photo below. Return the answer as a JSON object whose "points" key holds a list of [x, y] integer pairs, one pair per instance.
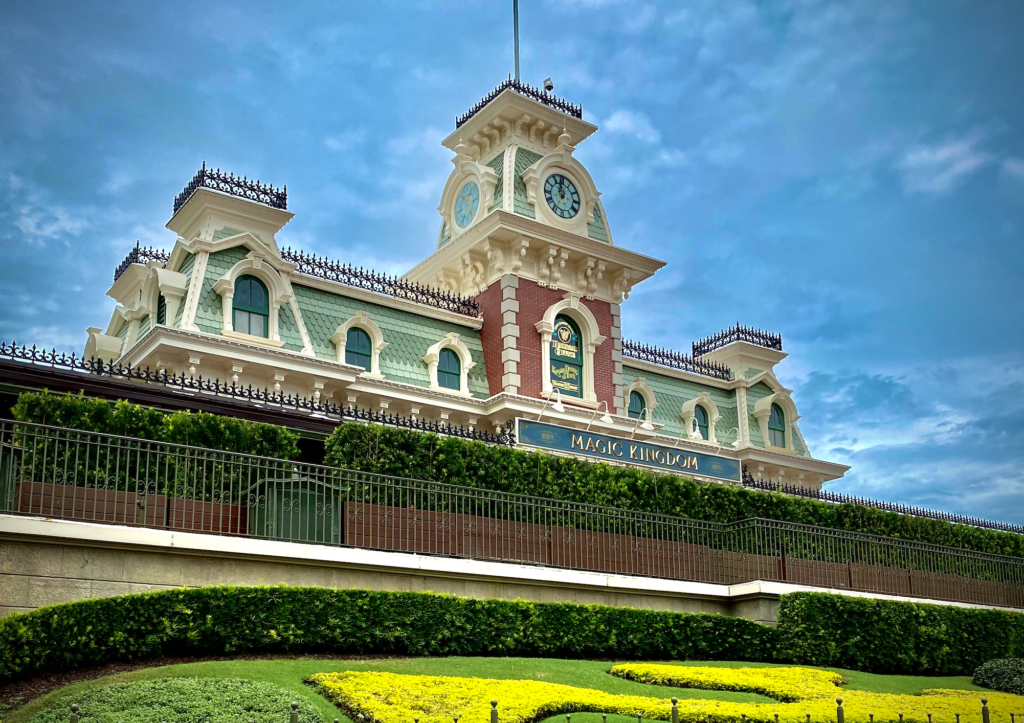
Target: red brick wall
{"points": [[490, 335], [534, 300]]}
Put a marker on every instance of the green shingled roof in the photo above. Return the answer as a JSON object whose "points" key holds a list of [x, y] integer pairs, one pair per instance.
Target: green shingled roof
{"points": [[672, 393], [185, 268], [498, 164], [209, 317], [597, 230], [408, 336], [524, 159]]}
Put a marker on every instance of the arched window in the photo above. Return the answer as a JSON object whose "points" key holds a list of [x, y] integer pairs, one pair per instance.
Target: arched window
{"points": [[566, 357], [701, 415], [637, 405], [449, 370], [776, 427], [251, 306], [357, 348], [161, 309]]}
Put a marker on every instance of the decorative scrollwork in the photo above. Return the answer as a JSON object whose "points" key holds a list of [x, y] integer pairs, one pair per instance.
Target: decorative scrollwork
{"points": [[361, 278], [181, 382], [560, 104], [758, 337], [140, 255], [443, 524], [675, 360], [235, 186]]}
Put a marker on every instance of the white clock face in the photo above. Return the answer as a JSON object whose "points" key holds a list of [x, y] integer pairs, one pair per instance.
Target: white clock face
{"points": [[562, 196], [467, 204]]}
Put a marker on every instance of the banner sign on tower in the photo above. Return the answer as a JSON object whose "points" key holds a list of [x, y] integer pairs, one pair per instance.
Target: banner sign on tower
{"points": [[628, 451]]}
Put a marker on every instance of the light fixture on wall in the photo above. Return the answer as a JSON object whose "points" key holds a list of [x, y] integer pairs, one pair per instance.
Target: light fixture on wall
{"points": [[607, 418], [557, 406], [644, 423], [735, 444]]}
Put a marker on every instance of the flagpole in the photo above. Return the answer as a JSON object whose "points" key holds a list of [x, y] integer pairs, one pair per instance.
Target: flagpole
{"points": [[515, 34]]}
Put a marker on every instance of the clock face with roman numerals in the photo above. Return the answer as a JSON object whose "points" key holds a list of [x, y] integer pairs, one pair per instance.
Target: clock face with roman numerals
{"points": [[562, 196]]}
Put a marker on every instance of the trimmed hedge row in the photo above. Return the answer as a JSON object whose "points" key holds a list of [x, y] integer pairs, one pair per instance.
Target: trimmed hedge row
{"points": [[886, 636], [198, 429], [406, 453], [1003, 674], [219, 620]]}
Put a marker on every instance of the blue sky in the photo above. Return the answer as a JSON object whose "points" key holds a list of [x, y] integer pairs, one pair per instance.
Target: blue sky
{"points": [[848, 174]]}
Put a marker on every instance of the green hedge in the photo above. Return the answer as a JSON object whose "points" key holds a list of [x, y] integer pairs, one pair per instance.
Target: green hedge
{"points": [[219, 620], [405, 453], [1003, 674], [886, 636], [198, 429]]}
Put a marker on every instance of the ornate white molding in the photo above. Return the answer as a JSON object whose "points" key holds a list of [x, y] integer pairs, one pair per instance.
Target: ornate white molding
{"points": [[361, 320]]}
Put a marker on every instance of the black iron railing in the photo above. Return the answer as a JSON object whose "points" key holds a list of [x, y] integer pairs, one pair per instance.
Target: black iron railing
{"points": [[234, 185], [737, 333], [524, 89], [910, 510], [361, 278], [674, 359], [264, 397], [69, 474], [140, 255]]}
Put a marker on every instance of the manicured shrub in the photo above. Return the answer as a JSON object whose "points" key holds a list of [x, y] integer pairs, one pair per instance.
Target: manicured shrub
{"points": [[179, 700], [198, 429], [406, 453], [219, 620], [1005, 674], [887, 636]]}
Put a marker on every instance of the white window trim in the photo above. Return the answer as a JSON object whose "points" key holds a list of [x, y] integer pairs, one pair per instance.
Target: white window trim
{"points": [[277, 287], [362, 321], [689, 411], [640, 386], [763, 410], [451, 341], [572, 307]]}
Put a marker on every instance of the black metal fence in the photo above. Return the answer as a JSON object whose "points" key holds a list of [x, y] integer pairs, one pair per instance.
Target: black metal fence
{"points": [[70, 474], [524, 89], [675, 360], [233, 185], [140, 255], [737, 333]]}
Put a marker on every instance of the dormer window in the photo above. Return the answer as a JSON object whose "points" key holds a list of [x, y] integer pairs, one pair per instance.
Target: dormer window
{"points": [[449, 370], [701, 416], [777, 427], [357, 348], [251, 307], [637, 405]]}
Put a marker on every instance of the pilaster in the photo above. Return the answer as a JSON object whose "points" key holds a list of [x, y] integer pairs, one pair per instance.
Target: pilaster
{"points": [[510, 357]]}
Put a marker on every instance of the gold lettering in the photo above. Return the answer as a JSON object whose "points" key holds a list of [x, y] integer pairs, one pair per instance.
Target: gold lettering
{"points": [[602, 446], [617, 449], [577, 441], [692, 462], [632, 451], [590, 444], [659, 455], [670, 459]]}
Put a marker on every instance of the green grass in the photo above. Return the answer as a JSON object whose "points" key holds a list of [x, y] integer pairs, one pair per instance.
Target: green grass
{"points": [[289, 674]]}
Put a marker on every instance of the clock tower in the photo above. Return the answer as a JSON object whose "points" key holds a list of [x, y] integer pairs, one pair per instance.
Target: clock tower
{"points": [[523, 230]]}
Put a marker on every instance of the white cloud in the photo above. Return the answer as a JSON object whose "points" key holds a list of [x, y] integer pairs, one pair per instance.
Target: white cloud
{"points": [[937, 169], [628, 123], [347, 140], [1014, 167]]}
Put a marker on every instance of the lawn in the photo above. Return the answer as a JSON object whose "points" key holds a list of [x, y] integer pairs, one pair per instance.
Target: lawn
{"points": [[290, 673]]}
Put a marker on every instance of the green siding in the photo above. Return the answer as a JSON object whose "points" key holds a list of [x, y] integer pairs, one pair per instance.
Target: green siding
{"points": [[122, 332], [208, 314], [672, 393], [498, 164], [288, 329], [225, 233], [755, 394], [185, 268], [524, 159], [597, 230], [443, 237], [408, 336], [145, 325]]}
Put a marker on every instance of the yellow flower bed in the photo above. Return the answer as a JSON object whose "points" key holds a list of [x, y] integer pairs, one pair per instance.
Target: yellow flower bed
{"points": [[785, 684], [394, 698]]}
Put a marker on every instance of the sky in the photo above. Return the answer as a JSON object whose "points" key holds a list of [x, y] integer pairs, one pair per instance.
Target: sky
{"points": [[848, 174]]}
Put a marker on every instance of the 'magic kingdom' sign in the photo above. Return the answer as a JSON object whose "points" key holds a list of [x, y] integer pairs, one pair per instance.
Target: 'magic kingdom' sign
{"points": [[630, 451]]}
